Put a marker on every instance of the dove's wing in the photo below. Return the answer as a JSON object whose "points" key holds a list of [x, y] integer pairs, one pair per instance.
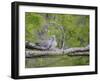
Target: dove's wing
{"points": [[45, 44]]}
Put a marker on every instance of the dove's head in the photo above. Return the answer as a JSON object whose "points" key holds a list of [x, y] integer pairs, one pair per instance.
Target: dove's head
{"points": [[53, 37]]}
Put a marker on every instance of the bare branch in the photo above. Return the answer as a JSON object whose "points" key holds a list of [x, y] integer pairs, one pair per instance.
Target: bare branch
{"points": [[70, 51]]}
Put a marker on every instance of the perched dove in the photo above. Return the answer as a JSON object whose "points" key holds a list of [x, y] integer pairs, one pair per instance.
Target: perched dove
{"points": [[51, 43]]}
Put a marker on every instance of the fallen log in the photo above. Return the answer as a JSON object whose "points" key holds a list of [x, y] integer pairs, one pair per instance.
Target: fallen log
{"points": [[69, 51]]}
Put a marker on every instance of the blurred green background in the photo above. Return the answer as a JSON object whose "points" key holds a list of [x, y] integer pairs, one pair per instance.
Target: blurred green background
{"points": [[75, 30]]}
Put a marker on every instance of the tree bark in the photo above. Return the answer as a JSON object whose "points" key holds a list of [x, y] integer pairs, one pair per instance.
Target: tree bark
{"points": [[70, 51]]}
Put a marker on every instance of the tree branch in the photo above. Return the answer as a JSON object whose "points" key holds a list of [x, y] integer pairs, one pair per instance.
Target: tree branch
{"points": [[41, 51], [70, 51]]}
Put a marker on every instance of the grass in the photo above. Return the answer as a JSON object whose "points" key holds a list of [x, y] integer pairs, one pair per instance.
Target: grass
{"points": [[56, 61]]}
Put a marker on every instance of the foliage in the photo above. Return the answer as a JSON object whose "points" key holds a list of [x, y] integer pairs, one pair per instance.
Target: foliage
{"points": [[33, 22], [57, 61]]}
